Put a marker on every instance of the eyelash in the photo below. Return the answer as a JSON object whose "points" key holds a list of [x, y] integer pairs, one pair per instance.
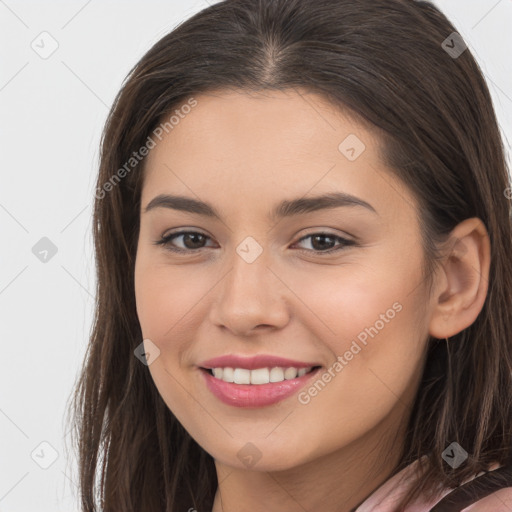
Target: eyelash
{"points": [[166, 242]]}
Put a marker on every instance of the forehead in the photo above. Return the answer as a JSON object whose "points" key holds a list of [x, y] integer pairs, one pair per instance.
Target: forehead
{"points": [[271, 145], [243, 120]]}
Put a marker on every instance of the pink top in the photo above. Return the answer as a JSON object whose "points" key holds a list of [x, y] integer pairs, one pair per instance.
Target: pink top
{"points": [[384, 498]]}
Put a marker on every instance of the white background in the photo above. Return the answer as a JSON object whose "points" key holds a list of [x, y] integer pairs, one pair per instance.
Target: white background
{"points": [[52, 114]]}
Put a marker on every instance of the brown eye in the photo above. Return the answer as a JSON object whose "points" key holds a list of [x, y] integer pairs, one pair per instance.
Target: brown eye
{"points": [[323, 242], [192, 240]]}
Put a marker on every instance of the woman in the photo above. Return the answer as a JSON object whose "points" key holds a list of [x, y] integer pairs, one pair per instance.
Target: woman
{"points": [[302, 234]]}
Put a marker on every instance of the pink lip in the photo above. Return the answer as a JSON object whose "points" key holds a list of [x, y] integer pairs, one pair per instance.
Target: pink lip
{"points": [[254, 395], [252, 363]]}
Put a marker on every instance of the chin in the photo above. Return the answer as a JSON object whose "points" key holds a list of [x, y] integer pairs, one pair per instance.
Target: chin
{"points": [[261, 456]]}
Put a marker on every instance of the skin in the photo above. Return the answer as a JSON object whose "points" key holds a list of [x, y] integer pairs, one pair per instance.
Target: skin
{"points": [[244, 153]]}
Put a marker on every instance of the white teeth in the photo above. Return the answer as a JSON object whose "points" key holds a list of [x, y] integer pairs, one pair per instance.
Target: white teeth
{"points": [[227, 374], [218, 372], [290, 373], [242, 376], [276, 374], [259, 375]]}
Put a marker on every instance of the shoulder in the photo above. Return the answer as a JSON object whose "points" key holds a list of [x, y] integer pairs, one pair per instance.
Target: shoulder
{"points": [[499, 501], [385, 498]]}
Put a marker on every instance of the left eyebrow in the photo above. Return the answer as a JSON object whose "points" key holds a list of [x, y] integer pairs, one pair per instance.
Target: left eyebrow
{"points": [[286, 208]]}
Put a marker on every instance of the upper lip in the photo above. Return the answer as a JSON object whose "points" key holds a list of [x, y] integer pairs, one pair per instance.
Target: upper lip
{"points": [[254, 362]]}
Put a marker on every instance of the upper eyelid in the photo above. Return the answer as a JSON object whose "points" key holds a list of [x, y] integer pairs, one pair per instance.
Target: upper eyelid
{"points": [[319, 231], [347, 239]]}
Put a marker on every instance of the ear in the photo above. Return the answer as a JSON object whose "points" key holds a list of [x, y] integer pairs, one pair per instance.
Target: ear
{"points": [[462, 280]]}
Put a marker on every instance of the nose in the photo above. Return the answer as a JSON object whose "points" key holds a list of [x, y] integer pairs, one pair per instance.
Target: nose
{"points": [[250, 297]]}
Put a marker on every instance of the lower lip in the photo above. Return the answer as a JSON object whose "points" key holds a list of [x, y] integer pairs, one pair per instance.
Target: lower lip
{"points": [[254, 395]]}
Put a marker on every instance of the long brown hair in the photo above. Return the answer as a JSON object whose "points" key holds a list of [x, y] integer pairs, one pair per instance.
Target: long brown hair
{"points": [[384, 61]]}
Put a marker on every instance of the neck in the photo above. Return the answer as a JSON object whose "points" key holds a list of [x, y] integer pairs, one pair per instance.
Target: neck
{"points": [[345, 476]]}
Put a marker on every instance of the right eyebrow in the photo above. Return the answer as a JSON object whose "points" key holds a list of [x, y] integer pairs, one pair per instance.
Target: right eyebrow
{"points": [[286, 208]]}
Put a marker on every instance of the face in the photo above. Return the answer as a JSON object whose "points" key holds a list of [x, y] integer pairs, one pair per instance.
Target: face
{"points": [[333, 284]]}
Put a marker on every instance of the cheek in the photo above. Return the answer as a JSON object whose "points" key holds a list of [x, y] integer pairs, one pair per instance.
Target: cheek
{"points": [[373, 321], [352, 302], [375, 366], [166, 298], [165, 307]]}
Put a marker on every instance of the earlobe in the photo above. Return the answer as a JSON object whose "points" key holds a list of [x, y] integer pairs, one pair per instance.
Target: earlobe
{"points": [[463, 279]]}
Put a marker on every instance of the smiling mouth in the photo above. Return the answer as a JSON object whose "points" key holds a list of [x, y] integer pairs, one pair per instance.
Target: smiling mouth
{"points": [[259, 376]]}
